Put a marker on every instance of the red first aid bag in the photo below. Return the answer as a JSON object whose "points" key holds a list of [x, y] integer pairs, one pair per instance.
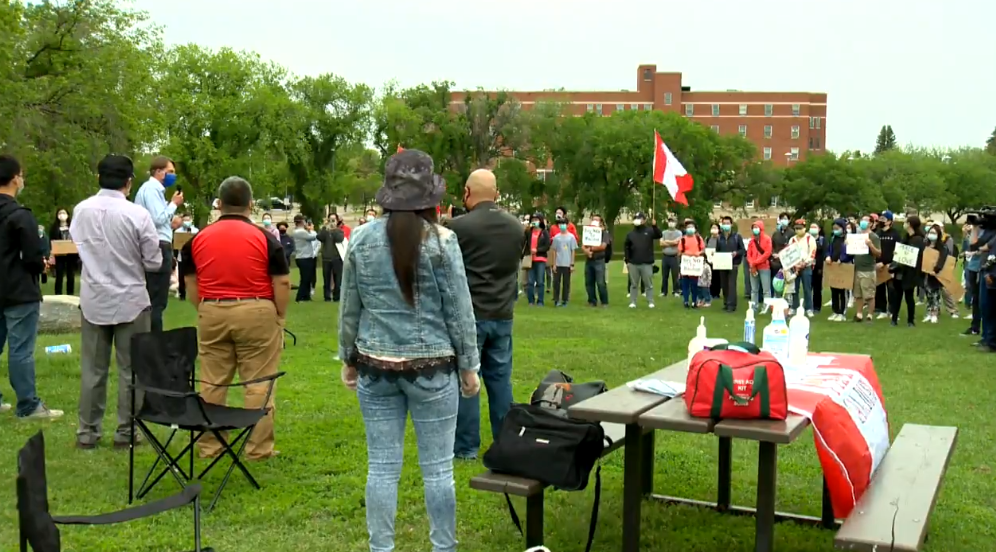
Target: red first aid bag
{"points": [[736, 380]]}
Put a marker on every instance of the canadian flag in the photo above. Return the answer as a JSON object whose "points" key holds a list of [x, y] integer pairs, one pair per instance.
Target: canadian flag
{"points": [[669, 172]]}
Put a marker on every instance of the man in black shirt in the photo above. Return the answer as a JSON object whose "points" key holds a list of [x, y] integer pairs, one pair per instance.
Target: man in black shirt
{"points": [[729, 241], [22, 262], [491, 241], [890, 237], [638, 253]]}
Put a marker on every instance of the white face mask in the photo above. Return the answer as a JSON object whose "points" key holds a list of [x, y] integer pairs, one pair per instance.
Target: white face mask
{"points": [[672, 224], [714, 231], [637, 222], [596, 223], [63, 217]]}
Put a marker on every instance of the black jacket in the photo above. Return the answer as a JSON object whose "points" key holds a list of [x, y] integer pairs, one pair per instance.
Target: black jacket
{"points": [[889, 239], [639, 246], [21, 255], [491, 242], [542, 243], [910, 277], [329, 237], [780, 239], [732, 244]]}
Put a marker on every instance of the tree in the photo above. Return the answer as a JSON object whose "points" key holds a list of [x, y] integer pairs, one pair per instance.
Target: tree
{"points": [[969, 181], [991, 143], [824, 186], [886, 140]]}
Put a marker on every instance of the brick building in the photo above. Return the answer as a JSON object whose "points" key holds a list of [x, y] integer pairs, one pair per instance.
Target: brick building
{"points": [[785, 126]]}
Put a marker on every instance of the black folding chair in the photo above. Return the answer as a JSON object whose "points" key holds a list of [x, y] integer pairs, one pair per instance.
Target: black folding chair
{"points": [[39, 529], [163, 369], [294, 337]]}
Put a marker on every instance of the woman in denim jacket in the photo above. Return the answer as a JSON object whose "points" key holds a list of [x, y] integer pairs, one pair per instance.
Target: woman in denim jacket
{"points": [[406, 330]]}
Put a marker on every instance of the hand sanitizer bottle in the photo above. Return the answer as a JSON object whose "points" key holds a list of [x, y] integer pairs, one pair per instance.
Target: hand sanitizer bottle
{"points": [[749, 324], [775, 338]]}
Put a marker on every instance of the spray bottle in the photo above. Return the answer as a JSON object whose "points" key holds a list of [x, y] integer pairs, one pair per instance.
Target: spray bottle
{"points": [[749, 324], [775, 338], [798, 340], [701, 341]]}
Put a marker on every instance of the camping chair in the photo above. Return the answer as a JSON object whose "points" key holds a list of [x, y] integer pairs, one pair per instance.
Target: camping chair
{"points": [[163, 369], [39, 529], [294, 337]]}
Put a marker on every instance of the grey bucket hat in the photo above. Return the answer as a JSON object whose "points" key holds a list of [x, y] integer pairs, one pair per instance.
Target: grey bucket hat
{"points": [[410, 183]]}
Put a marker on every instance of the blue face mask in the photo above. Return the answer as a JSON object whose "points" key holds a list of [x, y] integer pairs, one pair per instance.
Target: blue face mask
{"points": [[267, 222], [725, 227], [690, 231], [838, 232], [169, 179], [863, 225], [187, 224], [757, 231], [932, 237], [563, 227]]}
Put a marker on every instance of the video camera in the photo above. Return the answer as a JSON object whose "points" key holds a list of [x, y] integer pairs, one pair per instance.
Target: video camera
{"points": [[983, 217]]}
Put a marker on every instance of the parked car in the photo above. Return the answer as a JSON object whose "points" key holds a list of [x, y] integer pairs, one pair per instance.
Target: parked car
{"points": [[272, 204]]}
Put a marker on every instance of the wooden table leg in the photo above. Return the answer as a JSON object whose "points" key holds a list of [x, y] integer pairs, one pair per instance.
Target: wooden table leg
{"points": [[767, 469], [648, 463], [534, 520], [632, 487], [725, 475]]}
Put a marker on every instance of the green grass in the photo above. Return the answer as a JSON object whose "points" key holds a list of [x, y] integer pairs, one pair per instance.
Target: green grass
{"points": [[313, 494]]}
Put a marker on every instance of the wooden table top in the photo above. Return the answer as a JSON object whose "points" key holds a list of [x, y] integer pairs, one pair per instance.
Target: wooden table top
{"points": [[623, 405]]}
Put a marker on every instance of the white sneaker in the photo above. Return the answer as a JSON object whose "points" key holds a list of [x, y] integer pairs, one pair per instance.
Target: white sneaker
{"points": [[933, 320], [828, 303], [968, 317], [43, 413], [810, 314], [832, 317], [6, 407], [632, 305], [882, 316], [850, 303], [650, 306], [955, 315], [926, 319]]}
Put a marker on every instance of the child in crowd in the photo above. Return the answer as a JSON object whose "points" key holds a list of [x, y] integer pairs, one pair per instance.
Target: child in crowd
{"points": [[564, 245], [705, 285]]}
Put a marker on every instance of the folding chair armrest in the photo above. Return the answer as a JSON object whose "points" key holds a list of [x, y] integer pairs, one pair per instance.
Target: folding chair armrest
{"points": [[290, 333], [164, 392], [263, 379], [189, 495]]}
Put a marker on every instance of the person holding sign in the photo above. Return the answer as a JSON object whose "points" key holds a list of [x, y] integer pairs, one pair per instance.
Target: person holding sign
{"points": [[638, 254], [835, 261], [907, 278], [186, 227], [692, 251], [594, 265], [65, 265], [730, 253], [865, 277], [805, 243], [890, 238], [931, 283]]}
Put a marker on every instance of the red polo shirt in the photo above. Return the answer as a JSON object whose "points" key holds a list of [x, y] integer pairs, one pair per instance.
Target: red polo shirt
{"points": [[233, 259]]}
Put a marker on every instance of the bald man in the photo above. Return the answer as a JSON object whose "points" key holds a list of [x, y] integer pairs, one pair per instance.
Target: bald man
{"points": [[491, 241]]}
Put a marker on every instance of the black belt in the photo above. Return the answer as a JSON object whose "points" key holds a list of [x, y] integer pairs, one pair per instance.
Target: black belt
{"points": [[235, 299]]}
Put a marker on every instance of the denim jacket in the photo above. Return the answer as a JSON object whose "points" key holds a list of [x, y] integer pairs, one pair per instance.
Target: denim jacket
{"points": [[374, 318]]}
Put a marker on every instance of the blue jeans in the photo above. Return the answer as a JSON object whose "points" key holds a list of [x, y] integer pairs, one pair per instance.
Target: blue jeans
{"points": [[594, 281], [804, 280], [690, 288], [494, 341], [760, 285], [18, 330], [385, 406], [987, 308], [535, 283]]}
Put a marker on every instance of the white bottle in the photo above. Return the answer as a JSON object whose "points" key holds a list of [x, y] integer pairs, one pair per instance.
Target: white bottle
{"points": [[798, 341], [699, 342], [775, 338], [749, 325]]}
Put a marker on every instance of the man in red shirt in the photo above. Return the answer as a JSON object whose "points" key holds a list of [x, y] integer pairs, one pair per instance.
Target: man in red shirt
{"points": [[238, 279]]}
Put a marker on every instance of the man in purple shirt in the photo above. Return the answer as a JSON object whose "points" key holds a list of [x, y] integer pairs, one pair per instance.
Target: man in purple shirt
{"points": [[118, 244]]}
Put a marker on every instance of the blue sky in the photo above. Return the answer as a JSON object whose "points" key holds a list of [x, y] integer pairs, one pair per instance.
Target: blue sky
{"points": [[904, 63]]}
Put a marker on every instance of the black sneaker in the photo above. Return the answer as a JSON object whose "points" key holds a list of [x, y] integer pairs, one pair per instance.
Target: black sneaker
{"points": [[911, 324], [893, 323], [969, 332]]}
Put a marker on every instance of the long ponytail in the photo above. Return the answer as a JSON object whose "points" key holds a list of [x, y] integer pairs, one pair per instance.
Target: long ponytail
{"points": [[405, 233]]}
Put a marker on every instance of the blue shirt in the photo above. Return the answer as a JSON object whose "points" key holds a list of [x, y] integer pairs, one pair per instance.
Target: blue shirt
{"points": [[152, 197], [376, 321]]}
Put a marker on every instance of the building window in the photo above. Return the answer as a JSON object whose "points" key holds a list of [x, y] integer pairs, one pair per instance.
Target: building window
{"points": [[648, 107], [667, 98], [715, 128], [795, 110], [648, 75], [715, 110], [767, 131], [795, 131], [794, 154], [768, 110], [767, 154], [542, 174], [774, 201], [819, 121], [689, 110], [620, 107], [812, 123], [743, 130], [598, 108], [749, 204], [743, 109], [814, 142], [635, 107], [591, 107]]}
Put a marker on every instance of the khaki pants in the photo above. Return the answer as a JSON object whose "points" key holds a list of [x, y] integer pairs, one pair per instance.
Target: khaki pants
{"points": [[241, 337]]}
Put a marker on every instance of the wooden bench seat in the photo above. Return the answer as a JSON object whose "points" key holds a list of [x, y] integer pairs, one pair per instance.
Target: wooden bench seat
{"points": [[532, 490], [893, 513]]}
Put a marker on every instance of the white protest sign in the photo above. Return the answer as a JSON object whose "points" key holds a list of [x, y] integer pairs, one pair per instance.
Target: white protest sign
{"points": [[709, 252], [790, 256], [855, 244], [722, 261], [692, 266], [592, 236], [906, 255]]}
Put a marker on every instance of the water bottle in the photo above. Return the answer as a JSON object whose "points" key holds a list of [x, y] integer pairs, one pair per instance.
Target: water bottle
{"points": [[749, 324], [58, 349]]}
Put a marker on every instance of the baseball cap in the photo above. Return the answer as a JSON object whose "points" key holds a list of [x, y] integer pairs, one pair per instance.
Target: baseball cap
{"points": [[887, 215]]}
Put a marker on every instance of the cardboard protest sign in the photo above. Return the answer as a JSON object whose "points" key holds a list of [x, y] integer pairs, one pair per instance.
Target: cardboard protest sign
{"points": [[64, 247], [839, 275], [882, 275], [591, 236], [180, 239], [947, 275], [692, 266], [906, 255]]}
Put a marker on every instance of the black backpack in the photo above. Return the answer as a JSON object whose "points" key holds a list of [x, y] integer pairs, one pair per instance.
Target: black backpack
{"points": [[558, 392], [538, 441]]}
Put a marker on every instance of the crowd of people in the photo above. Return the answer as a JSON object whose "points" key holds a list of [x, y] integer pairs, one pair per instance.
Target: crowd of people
{"points": [[426, 304]]}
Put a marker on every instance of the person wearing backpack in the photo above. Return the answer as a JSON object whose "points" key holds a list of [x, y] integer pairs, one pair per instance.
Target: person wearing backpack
{"points": [[594, 266], [22, 262], [691, 245], [759, 265]]}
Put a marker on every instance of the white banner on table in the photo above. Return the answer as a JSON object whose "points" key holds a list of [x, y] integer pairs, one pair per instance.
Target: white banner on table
{"points": [[692, 266], [592, 236], [855, 244], [790, 256], [722, 261], [906, 255]]}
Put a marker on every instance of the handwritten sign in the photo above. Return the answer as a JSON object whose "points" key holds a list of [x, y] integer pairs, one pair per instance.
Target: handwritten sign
{"points": [[692, 266], [906, 255], [709, 252], [722, 261], [855, 244], [592, 236], [790, 256], [180, 239], [839, 275], [63, 247]]}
